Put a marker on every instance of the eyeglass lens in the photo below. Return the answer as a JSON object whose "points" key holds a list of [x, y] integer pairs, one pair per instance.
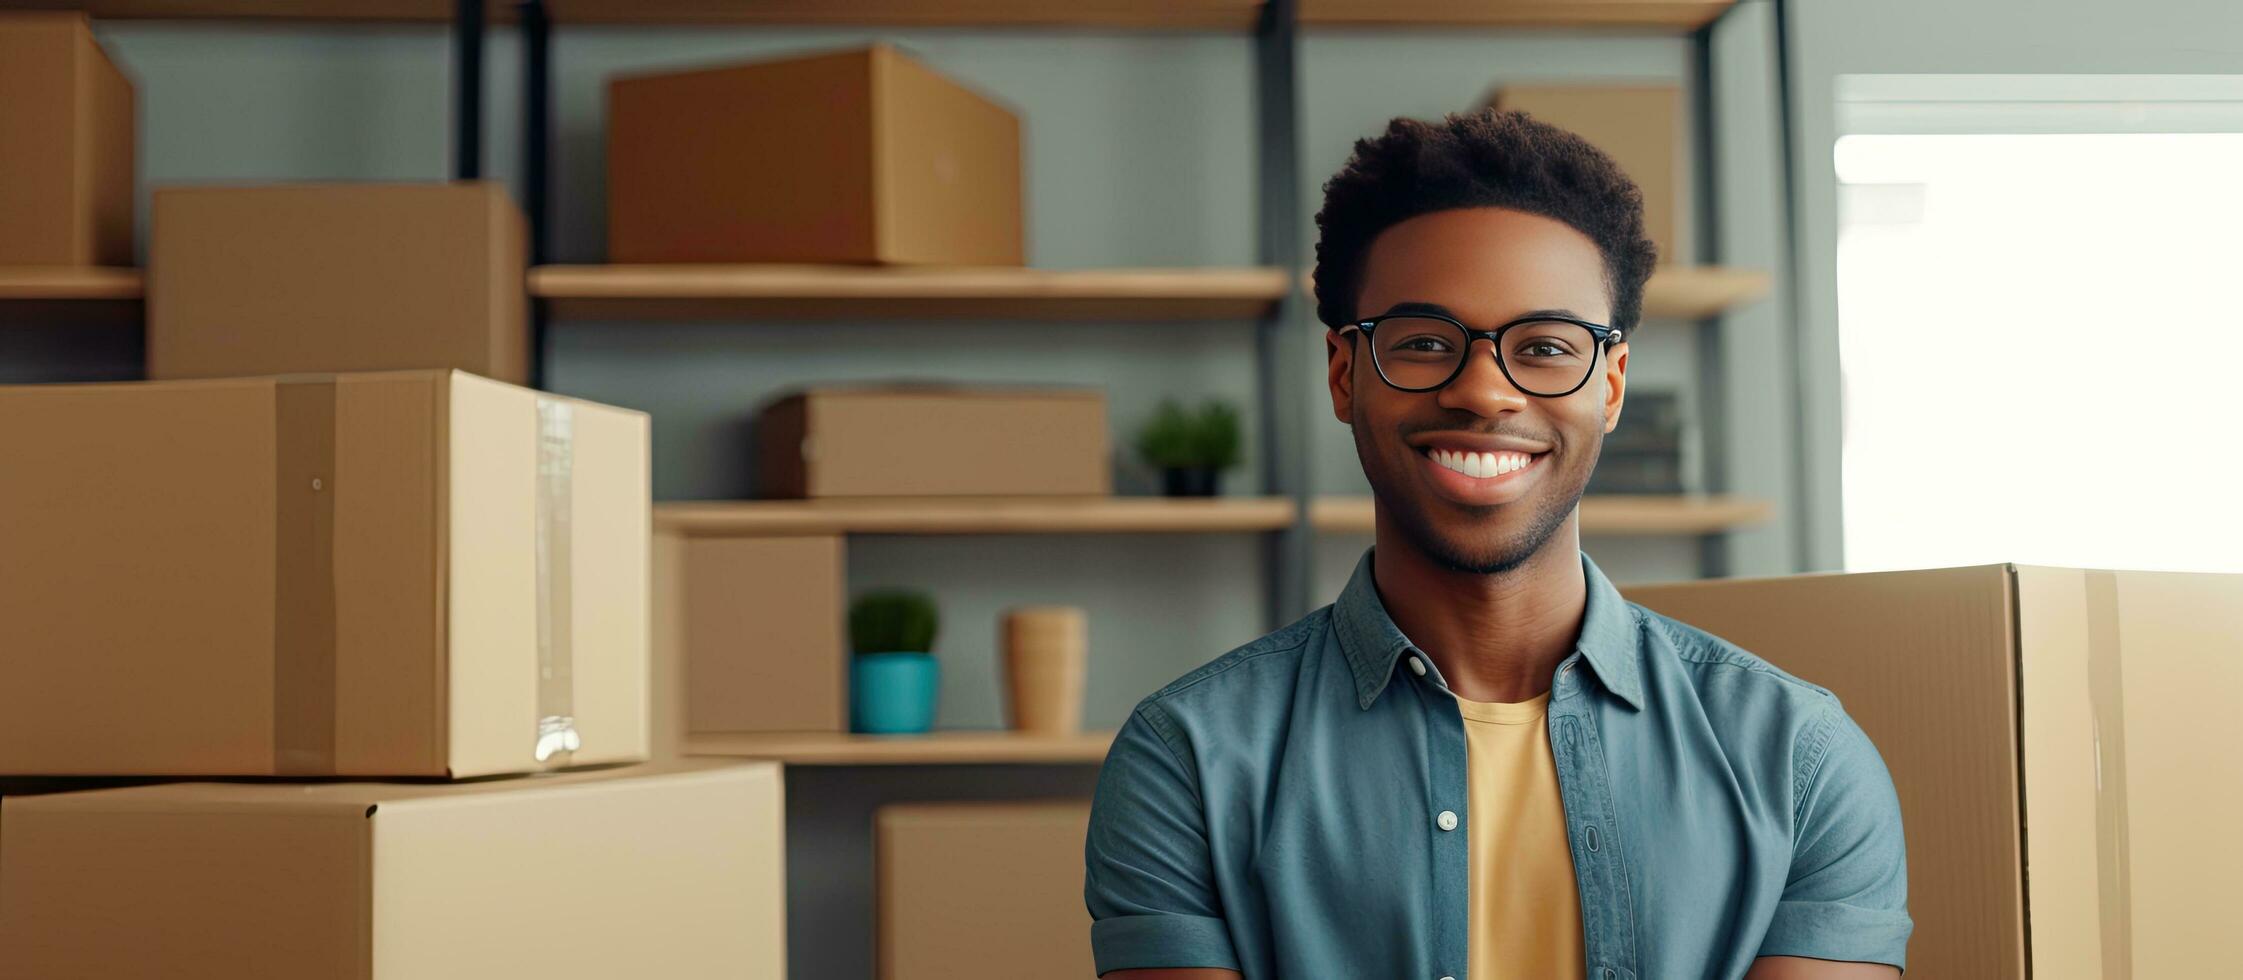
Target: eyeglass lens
{"points": [[1542, 357]]}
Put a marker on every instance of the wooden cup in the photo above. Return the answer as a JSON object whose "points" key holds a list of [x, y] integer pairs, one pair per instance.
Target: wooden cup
{"points": [[1047, 652]]}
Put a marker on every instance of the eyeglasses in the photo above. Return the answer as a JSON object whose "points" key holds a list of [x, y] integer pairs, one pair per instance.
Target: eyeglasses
{"points": [[1545, 356]]}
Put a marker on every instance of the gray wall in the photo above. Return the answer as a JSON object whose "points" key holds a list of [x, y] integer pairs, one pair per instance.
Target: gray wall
{"points": [[1139, 152]]}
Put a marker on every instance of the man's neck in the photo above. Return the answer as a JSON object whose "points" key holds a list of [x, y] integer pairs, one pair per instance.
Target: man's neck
{"points": [[1494, 637]]}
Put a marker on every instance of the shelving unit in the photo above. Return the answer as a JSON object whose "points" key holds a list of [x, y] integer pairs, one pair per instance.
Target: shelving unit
{"points": [[57, 283], [946, 747]]}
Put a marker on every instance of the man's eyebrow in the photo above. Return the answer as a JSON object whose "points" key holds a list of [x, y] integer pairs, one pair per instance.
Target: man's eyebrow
{"points": [[1413, 306]]}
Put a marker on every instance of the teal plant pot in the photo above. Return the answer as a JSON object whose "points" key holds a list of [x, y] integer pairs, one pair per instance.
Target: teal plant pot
{"points": [[892, 693]]}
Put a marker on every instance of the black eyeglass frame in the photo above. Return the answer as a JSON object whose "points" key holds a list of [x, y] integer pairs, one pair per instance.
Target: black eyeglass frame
{"points": [[1605, 338]]}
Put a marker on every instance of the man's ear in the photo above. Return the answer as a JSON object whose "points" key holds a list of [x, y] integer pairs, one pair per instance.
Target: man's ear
{"points": [[1339, 368], [1615, 383]]}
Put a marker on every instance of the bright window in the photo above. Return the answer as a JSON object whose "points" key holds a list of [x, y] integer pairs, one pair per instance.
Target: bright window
{"points": [[2041, 339]]}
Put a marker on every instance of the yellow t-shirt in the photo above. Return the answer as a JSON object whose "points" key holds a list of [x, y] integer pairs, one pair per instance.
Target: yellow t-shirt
{"points": [[1525, 908]]}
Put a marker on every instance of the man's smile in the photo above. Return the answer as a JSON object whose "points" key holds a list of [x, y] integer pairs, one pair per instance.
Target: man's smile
{"points": [[1482, 478]]}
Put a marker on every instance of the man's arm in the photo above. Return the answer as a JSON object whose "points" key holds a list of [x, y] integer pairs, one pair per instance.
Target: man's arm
{"points": [[1148, 867], [1844, 909], [1793, 968]]}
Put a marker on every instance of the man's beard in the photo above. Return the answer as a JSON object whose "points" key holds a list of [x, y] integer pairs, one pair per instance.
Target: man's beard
{"points": [[1405, 506]]}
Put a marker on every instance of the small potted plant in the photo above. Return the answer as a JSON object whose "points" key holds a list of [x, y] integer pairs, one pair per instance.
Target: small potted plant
{"points": [[1191, 449], [893, 674]]}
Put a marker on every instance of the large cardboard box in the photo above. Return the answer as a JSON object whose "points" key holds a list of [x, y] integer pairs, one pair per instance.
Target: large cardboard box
{"points": [[2067, 745], [863, 155], [287, 278], [66, 145], [667, 871], [416, 573], [1644, 129], [983, 890], [911, 439]]}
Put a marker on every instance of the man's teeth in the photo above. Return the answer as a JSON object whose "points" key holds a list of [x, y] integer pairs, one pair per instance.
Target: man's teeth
{"points": [[1481, 464]]}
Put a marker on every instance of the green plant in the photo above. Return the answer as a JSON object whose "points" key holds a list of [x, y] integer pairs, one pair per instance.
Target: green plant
{"points": [[1177, 437], [892, 620]]}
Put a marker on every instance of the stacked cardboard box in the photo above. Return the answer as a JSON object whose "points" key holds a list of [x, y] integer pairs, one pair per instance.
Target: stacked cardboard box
{"points": [[2064, 742], [989, 890], [66, 145]]}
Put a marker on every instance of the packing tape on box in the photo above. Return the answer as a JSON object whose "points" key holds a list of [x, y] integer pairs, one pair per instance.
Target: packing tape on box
{"points": [[556, 682], [304, 578], [2107, 696]]}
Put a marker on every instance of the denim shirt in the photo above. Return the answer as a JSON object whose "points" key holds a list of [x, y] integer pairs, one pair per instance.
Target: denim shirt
{"points": [[1277, 811]]}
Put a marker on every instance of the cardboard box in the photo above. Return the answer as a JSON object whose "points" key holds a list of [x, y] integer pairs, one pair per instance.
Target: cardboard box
{"points": [[766, 635], [934, 439], [673, 872], [1644, 129], [983, 890], [66, 145], [289, 278], [2066, 744], [862, 156], [386, 574]]}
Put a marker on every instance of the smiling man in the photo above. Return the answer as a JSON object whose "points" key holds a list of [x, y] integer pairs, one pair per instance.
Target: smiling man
{"points": [[1481, 761]]}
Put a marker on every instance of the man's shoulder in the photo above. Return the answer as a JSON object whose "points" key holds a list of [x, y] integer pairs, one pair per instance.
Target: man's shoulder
{"points": [[1244, 674], [1730, 680]]}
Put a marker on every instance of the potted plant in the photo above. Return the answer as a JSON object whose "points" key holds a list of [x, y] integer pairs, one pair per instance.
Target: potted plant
{"points": [[1191, 449], [893, 674]]}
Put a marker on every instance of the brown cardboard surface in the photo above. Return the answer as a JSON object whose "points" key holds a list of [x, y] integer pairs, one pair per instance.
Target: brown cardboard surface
{"points": [[909, 439], [66, 145], [2062, 740], [982, 890], [168, 615], [673, 870], [1642, 127], [766, 635], [288, 278], [886, 162]]}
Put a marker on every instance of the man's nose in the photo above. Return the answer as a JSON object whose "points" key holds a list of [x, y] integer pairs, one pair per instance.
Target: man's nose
{"points": [[1481, 387]]}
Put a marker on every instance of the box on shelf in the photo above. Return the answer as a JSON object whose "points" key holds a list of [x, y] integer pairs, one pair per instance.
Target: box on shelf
{"points": [[2082, 724], [982, 890], [655, 871], [1643, 129], [287, 278], [863, 156], [419, 573], [764, 635], [934, 439], [66, 145]]}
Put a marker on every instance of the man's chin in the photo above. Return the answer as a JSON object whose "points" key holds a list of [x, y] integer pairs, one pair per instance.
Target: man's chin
{"points": [[1478, 539]]}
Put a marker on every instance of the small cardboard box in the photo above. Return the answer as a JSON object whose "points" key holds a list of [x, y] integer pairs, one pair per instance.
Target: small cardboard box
{"points": [[983, 890], [66, 145], [2067, 745], [644, 871], [289, 278], [766, 637], [933, 439], [1643, 129], [862, 156], [418, 573]]}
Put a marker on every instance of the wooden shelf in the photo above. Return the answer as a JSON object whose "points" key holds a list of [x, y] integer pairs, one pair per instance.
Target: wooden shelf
{"points": [[1677, 16], [641, 292], [975, 515], [69, 283], [1600, 514], [1698, 292], [954, 747]]}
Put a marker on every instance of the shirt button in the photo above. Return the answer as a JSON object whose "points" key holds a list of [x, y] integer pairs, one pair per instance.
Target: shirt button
{"points": [[1417, 666], [1446, 821], [1448, 978]]}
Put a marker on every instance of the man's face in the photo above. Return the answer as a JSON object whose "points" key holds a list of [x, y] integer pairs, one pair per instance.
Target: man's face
{"points": [[1485, 267]]}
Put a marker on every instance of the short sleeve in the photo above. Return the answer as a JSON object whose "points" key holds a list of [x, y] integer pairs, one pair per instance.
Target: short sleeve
{"points": [[1148, 878], [1847, 896]]}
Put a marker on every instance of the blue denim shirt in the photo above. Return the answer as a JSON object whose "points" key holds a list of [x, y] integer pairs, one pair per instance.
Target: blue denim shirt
{"points": [[1274, 811]]}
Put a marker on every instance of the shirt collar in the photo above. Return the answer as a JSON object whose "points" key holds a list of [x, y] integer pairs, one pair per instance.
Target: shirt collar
{"points": [[1372, 643]]}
